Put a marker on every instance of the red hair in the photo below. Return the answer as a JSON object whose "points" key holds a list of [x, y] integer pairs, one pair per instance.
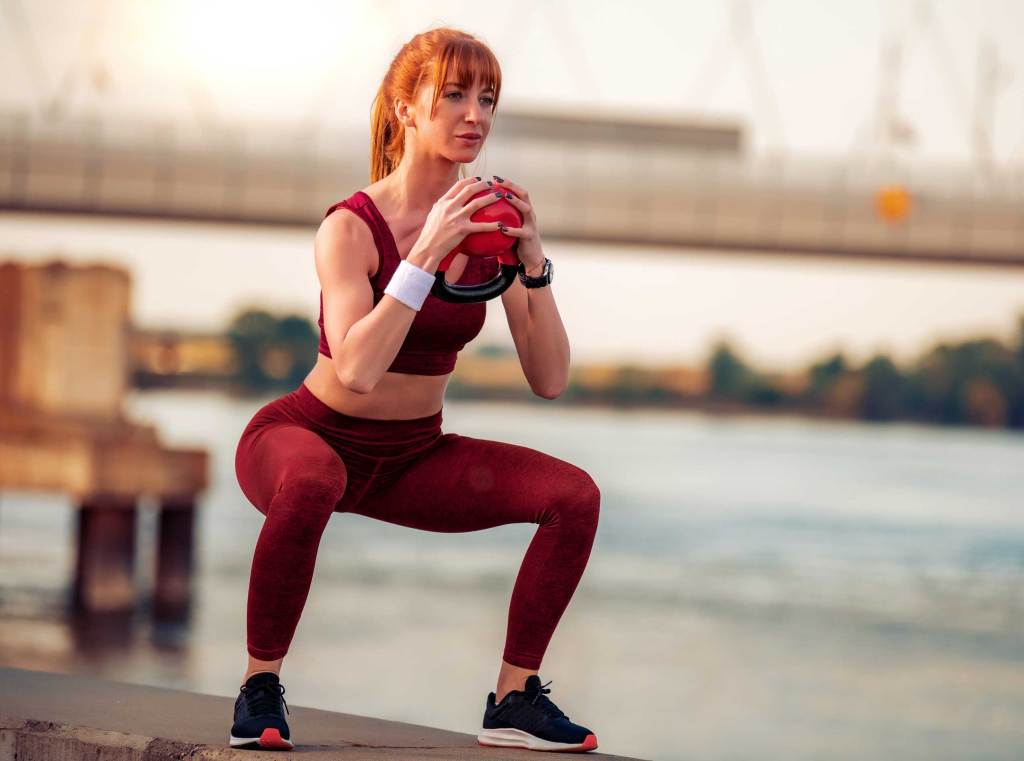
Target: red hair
{"points": [[428, 57]]}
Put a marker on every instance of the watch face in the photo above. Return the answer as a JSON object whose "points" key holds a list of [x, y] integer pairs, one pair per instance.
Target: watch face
{"points": [[547, 273]]}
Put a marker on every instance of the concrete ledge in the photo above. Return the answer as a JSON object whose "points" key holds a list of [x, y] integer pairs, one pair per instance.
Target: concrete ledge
{"points": [[56, 717]]}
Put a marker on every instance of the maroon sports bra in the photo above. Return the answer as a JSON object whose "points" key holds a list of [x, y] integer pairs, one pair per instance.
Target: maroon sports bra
{"points": [[440, 329]]}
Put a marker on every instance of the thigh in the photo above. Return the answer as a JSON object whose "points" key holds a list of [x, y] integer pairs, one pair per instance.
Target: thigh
{"points": [[466, 484], [270, 455]]}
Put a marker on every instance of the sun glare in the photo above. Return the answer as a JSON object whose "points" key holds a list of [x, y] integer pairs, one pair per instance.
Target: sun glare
{"points": [[231, 43]]}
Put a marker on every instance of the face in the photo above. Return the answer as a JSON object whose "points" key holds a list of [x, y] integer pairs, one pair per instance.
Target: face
{"points": [[460, 111]]}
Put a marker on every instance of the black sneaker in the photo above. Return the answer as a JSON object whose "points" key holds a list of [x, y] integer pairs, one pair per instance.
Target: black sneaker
{"points": [[259, 721], [528, 719]]}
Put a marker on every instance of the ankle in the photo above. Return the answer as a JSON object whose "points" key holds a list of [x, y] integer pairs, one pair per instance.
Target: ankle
{"points": [[506, 688], [258, 671]]}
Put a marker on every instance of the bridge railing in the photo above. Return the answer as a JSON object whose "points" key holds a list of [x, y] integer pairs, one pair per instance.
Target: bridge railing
{"points": [[587, 189]]}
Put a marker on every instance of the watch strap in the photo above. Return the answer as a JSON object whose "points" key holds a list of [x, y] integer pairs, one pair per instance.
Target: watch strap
{"points": [[536, 282]]}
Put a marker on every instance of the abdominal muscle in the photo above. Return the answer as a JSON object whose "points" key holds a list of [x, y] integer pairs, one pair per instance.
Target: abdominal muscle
{"points": [[397, 396]]}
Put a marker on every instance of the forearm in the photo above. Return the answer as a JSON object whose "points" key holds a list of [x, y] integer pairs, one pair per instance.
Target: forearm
{"points": [[547, 346], [371, 345], [373, 342]]}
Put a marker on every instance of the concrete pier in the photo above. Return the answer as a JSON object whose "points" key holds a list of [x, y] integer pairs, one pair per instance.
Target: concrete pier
{"points": [[63, 377], [44, 717]]}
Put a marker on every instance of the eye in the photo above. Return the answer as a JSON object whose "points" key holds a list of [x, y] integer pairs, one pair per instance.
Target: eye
{"points": [[487, 98]]}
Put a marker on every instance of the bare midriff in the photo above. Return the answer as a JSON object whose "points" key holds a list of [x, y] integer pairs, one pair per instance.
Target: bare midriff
{"points": [[397, 396]]}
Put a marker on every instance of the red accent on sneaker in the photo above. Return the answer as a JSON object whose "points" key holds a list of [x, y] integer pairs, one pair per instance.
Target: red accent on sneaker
{"points": [[271, 738]]}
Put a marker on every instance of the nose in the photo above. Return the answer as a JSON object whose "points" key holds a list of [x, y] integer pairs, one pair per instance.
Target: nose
{"points": [[475, 115]]}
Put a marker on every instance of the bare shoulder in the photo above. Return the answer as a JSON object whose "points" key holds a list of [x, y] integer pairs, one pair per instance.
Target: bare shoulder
{"points": [[343, 234]]}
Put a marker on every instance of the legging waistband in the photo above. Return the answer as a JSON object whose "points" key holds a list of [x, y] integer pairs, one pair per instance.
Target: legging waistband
{"points": [[330, 418]]}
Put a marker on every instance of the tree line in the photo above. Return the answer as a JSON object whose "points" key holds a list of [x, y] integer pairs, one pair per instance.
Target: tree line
{"points": [[979, 381]]}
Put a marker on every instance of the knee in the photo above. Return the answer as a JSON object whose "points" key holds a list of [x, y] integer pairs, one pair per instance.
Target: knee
{"points": [[578, 499], [318, 474], [315, 486], [310, 494]]}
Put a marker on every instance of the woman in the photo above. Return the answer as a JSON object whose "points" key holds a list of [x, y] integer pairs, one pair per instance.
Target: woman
{"points": [[362, 433]]}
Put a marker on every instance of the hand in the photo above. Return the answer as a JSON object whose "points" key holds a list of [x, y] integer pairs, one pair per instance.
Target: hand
{"points": [[448, 221], [529, 248]]}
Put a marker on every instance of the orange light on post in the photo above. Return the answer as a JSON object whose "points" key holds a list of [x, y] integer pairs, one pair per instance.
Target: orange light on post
{"points": [[892, 203]]}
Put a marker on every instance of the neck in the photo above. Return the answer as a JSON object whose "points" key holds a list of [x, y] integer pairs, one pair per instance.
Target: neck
{"points": [[419, 181]]}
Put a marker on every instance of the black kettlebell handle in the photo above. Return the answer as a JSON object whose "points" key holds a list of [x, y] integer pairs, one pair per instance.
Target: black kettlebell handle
{"points": [[467, 294]]}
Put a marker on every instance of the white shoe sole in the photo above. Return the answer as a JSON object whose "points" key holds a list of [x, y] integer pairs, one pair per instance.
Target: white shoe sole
{"points": [[270, 739], [517, 738]]}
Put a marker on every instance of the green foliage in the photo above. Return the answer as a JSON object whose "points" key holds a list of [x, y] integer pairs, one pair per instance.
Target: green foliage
{"points": [[978, 381], [272, 351], [962, 382], [729, 376], [883, 386], [824, 374]]}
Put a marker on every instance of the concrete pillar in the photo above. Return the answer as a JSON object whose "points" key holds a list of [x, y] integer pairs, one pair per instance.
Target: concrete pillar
{"points": [[172, 598], [105, 567]]}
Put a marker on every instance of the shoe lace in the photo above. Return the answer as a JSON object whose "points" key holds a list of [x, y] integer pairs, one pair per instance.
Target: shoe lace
{"points": [[263, 698], [544, 703]]}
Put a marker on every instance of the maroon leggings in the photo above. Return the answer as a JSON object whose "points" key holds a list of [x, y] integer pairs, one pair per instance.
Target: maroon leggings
{"points": [[299, 461]]}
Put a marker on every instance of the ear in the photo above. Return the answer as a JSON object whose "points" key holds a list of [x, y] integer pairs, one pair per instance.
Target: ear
{"points": [[404, 113]]}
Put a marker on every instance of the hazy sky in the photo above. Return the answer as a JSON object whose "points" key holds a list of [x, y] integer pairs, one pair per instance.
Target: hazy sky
{"points": [[305, 62], [820, 61]]}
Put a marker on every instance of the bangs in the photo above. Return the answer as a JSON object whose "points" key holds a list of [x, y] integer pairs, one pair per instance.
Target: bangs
{"points": [[465, 62]]}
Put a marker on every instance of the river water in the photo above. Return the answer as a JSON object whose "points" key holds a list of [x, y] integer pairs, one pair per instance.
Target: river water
{"points": [[760, 587]]}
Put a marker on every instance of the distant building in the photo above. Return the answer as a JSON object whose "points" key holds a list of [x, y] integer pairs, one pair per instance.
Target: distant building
{"points": [[63, 377], [181, 353], [62, 331]]}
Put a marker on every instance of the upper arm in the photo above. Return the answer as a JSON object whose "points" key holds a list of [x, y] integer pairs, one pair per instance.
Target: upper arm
{"points": [[346, 258]]}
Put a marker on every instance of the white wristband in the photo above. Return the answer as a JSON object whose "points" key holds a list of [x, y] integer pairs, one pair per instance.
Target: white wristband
{"points": [[410, 285]]}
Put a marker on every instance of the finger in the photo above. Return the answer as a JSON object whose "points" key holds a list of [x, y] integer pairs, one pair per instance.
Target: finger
{"points": [[519, 190], [515, 232], [477, 203], [520, 204], [463, 196], [481, 227], [459, 185]]}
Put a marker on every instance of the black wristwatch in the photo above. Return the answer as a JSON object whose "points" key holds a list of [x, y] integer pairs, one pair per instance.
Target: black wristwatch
{"points": [[545, 277]]}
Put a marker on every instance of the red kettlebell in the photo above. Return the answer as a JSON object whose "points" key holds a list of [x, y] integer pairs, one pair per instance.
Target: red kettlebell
{"points": [[490, 243]]}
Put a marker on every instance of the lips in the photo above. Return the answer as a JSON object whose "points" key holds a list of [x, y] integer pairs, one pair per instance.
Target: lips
{"points": [[469, 136]]}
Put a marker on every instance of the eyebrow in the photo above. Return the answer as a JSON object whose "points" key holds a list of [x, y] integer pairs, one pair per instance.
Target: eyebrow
{"points": [[459, 84]]}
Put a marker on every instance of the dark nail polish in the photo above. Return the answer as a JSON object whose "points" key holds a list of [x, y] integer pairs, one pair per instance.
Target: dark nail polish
{"points": [[498, 193], [497, 178], [508, 195], [490, 183], [479, 178]]}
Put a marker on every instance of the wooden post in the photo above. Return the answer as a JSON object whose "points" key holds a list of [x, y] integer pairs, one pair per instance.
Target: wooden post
{"points": [[172, 598], [105, 567]]}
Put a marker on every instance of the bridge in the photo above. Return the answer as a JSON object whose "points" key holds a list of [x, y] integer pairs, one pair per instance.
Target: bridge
{"points": [[602, 180], [596, 177]]}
